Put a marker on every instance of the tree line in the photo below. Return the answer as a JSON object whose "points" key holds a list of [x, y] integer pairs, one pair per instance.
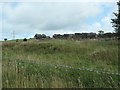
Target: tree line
{"points": [[78, 36]]}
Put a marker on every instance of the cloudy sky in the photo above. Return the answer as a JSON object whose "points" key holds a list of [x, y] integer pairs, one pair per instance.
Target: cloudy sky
{"points": [[26, 19]]}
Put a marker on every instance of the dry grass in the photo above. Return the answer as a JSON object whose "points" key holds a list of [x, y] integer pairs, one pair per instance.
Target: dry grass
{"points": [[22, 63]]}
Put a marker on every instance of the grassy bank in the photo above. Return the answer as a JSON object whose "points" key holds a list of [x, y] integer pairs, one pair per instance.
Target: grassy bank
{"points": [[38, 63]]}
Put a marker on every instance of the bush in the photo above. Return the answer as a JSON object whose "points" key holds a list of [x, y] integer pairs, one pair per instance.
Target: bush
{"points": [[5, 39], [16, 40], [25, 39]]}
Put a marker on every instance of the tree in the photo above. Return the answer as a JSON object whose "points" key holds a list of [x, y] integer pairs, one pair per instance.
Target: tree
{"points": [[100, 32], [25, 39], [116, 21], [38, 36], [5, 39], [16, 40]]}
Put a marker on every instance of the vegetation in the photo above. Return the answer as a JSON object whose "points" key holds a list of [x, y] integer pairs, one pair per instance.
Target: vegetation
{"points": [[41, 64], [116, 21], [5, 39], [25, 39]]}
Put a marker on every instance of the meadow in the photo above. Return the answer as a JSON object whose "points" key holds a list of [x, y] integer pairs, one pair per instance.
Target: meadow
{"points": [[60, 64]]}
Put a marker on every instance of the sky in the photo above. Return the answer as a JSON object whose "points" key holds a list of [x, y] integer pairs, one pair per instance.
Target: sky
{"points": [[27, 17]]}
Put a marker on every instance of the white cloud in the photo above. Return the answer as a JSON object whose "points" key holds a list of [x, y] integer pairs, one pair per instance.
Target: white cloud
{"points": [[58, 0], [106, 22], [52, 17], [105, 25], [0, 30], [1, 5]]}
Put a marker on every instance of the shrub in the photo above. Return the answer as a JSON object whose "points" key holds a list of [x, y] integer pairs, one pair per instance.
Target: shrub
{"points": [[25, 39], [16, 40], [5, 39]]}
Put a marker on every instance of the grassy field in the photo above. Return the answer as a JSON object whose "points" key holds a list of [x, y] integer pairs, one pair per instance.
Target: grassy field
{"points": [[60, 64]]}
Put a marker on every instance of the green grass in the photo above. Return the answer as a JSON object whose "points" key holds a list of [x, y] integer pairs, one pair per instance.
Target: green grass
{"points": [[28, 64]]}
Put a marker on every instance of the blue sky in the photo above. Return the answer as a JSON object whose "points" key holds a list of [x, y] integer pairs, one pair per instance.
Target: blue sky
{"points": [[26, 18]]}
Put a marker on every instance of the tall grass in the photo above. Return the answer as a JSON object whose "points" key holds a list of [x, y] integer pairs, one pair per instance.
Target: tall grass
{"points": [[20, 71]]}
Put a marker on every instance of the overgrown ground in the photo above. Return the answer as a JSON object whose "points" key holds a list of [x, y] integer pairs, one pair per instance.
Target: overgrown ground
{"points": [[60, 63]]}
